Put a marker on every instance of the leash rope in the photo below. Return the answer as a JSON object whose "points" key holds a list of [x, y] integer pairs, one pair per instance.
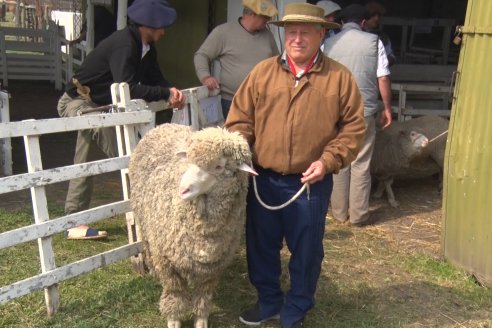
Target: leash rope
{"points": [[287, 203], [438, 136]]}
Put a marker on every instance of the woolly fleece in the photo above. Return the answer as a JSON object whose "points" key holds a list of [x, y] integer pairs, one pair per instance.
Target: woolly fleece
{"points": [[188, 243]]}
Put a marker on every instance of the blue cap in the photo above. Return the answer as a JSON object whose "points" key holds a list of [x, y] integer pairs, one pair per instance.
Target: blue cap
{"points": [[152, 13]]}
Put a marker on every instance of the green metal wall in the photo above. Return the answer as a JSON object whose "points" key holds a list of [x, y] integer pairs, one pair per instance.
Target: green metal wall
{"points": [[467, 202], [176, 49]]}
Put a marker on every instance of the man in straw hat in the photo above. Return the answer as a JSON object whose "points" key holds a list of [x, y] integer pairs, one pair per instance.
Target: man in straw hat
{"points": [[127, 55], [238, 46], [331, 15], [302, 115]]}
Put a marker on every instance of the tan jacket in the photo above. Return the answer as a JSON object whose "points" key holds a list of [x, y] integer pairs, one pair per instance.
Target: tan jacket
{"points": [[289, 127]]}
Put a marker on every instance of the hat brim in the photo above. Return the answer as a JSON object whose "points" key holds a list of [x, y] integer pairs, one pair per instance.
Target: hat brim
{"points": [[325, 24]]}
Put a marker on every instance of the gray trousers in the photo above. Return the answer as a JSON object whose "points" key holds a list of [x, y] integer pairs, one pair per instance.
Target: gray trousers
{"points": [[352, 185], [80, 190]]}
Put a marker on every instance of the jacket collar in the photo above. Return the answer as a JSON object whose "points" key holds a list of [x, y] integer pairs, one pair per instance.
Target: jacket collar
{"points": [[351, 26], [135, 34], [316, 67]]}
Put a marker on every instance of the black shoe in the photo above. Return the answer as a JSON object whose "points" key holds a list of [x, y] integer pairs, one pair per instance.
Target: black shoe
{"points": [[252, 317]]}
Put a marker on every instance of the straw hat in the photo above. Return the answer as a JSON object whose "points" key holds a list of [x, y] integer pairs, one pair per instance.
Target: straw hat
{"points": [[304, 13], [328, 6], [261, 7]]}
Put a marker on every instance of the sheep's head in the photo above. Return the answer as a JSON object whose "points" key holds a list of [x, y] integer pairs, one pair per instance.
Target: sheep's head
{"points": [[413, 142], [211, 154]]}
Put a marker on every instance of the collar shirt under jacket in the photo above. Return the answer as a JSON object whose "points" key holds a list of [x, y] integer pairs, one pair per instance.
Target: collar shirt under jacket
{"points": [[289, 125]]}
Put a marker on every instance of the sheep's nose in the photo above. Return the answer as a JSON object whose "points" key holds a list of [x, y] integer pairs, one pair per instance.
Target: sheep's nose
{"points": [[183, 190]]}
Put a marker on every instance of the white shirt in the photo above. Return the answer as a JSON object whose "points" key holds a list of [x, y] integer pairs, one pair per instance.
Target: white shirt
{"points": [[383, 65], [145, 49]]}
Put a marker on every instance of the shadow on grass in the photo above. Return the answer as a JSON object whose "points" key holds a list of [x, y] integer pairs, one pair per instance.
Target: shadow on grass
{"points": [[348, 304]]}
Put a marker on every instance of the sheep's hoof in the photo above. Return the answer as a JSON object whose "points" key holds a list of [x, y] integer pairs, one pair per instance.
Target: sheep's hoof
{"points": [[377, 194], [394, 203], [173, 324], [201, 323]]}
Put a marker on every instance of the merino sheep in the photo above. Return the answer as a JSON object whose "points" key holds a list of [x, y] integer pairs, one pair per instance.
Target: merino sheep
{"points": [[411, 148], [188, 194]]}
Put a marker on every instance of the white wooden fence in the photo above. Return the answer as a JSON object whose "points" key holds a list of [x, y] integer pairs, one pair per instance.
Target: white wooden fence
{"points": [[127, 122], [30, 54], [422, 89]]}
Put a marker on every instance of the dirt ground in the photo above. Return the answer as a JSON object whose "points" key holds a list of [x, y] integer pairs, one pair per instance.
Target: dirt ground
{"points": [[415, 225]]}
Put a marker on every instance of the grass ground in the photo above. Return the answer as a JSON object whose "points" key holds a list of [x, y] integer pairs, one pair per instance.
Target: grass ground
{"points": [[367, 280]]}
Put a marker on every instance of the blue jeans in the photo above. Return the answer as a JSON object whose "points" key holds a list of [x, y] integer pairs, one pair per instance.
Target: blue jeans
{"points": [[302, 224], [226, 105]]}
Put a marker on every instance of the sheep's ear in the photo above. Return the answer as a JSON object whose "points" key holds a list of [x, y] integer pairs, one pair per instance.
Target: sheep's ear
{"points": [[181, 154], [246, 168]]}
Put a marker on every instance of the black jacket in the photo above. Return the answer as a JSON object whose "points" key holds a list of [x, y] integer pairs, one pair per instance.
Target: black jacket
{"points": [[118, 59]]}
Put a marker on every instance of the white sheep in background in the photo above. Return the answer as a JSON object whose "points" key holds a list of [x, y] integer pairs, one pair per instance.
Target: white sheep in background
{"points": [[188, 193], [413, 148]]}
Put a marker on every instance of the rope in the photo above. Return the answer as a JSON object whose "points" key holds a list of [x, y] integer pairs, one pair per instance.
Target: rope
{"points": [[440, 135], [104, 109], [279, 207]]}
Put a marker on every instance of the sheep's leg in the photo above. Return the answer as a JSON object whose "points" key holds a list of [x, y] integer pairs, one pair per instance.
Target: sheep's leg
{"points": [[440, 182], [173, 323], [202, 302], [379, 189], [174, 303], [389, 192], [201, 323]]}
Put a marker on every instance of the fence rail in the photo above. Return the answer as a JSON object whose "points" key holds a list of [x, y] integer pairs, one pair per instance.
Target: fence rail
{"points": [[51, 278]]}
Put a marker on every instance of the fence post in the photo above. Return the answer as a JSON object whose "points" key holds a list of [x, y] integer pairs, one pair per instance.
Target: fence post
{"points": [[3, 59], [57, 57], [5, 144], [40, 209], [127, 141]]}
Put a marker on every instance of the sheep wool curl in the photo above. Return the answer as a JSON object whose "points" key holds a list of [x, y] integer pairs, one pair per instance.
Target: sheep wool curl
{"points": [[191, 228]]}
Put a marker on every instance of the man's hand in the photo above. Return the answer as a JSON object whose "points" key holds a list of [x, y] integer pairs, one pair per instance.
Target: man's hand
{"points": [[211, 83], [176, 98], [386, 118], [314, 173]]}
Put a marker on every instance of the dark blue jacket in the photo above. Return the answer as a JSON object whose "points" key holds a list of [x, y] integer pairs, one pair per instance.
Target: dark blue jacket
{"points": [[118, 59]]}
